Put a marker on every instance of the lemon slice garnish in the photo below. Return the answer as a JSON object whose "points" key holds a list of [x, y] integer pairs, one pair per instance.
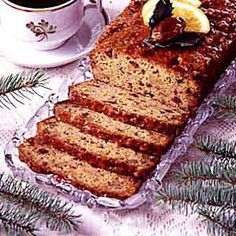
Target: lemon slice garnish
{"points": [[149, 7], [147, 11], [195, 18]]}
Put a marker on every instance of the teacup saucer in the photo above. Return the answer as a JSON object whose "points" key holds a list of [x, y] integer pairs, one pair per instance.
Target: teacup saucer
{"points": [[80, 44]]}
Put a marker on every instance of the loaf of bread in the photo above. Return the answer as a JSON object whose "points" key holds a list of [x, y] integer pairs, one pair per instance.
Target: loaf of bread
{"points": [[111, 133], [95, 151], [106, 128], [128, 107], [174, 76], [48, 160]]}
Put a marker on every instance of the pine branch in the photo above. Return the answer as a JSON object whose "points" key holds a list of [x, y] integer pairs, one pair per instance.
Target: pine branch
{"points": [[227, 115], [222, 169], [221, 220], [21, 80], [226, 108], [209, 187], [13, 88], [184, 207], [16, 221], [217, 146], [50, 209], [211, 192], [226, 102]]}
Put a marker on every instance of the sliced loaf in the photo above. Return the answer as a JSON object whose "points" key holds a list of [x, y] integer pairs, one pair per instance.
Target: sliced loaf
{"points": [[48, 160], [95, 151], [128, 107], [104, 127]]}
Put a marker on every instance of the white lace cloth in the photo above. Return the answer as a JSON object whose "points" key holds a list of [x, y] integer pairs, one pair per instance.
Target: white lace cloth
{"points": [[149, 220]]}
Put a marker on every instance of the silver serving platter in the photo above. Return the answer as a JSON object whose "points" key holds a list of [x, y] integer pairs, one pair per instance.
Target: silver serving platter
{"points": [[150, 187]]}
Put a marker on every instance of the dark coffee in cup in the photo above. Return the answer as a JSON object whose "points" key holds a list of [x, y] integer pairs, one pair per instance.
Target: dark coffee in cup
{"points": [[38, 3]]}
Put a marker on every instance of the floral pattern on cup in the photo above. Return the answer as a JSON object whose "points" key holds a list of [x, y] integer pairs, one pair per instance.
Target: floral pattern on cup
{"points": [[42, 29]]}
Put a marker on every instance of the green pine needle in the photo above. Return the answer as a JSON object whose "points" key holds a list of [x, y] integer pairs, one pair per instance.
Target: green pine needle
{"points": [[226, 108], [54, 212], [17, 221], [221, 220], [15, 88], [212, 192], [226, 115], [223, 169], [226, 102], [217, 146], [208, 187]]}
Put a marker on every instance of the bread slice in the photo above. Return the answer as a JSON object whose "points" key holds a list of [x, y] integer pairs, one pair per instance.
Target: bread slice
{"points": [[48, 160], [128, 107], [179, 76], [104, 127], [95, 151]]}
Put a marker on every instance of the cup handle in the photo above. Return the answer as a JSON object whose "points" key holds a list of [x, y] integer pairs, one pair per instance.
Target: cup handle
{"points": [[99, 6]]}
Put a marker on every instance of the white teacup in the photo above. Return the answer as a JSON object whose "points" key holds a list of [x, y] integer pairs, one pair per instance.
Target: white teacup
{"points": [[42, 28]]}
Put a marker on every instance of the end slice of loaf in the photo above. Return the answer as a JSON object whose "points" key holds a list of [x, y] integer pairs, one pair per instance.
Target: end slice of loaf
{"points": [[97, 152], [104, 127], [128, 107], [48, 160]]}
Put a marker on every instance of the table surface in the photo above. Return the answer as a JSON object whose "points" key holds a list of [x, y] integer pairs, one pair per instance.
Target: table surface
{"points": [[148, 219]]}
